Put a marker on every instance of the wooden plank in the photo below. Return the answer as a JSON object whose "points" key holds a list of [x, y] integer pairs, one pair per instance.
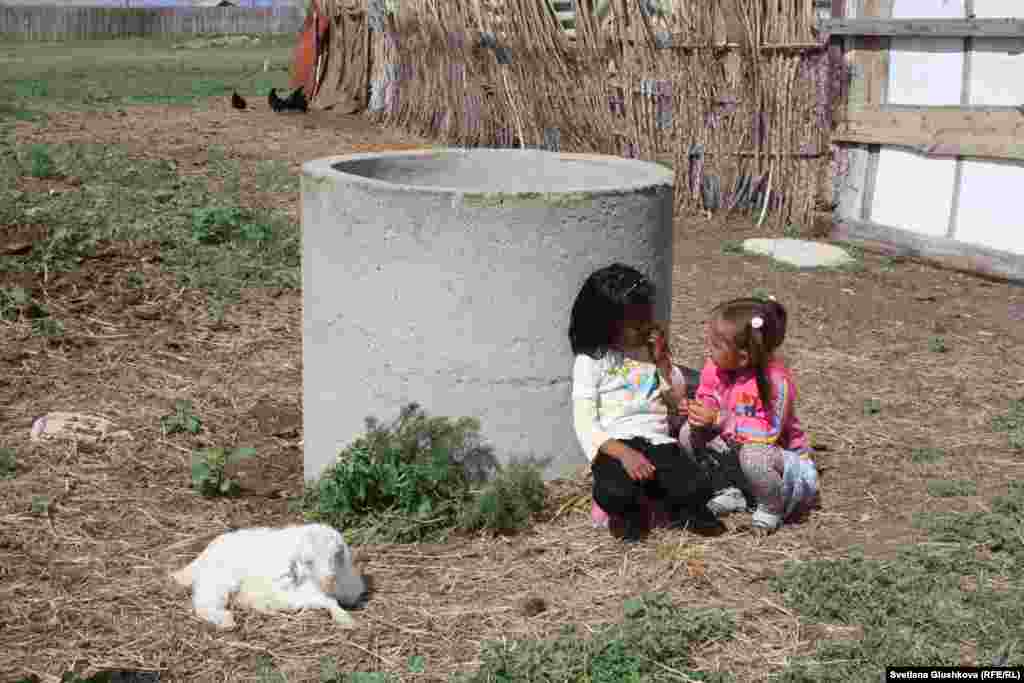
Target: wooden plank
{"points": [[869, 65], [940, 251], [933, 28], [870, 179], [876, 56], [942, 132], [677, 42]]}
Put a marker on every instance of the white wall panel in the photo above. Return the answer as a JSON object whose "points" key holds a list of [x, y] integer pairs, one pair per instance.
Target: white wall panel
{"points": [[913, 192], [850, 182], [930, 9], [989, 206], [998, 9], [997, 75], [926, 71]]}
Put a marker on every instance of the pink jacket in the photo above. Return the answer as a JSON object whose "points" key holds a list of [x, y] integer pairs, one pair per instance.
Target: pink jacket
{"points": [[742, 416]]}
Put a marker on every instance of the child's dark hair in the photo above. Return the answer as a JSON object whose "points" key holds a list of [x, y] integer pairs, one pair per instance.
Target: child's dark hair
{"points": [[601, 304], [757, 341]]}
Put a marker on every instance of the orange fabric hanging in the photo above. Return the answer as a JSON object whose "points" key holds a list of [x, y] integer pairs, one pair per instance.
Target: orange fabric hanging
{"points": [[307, 50]]}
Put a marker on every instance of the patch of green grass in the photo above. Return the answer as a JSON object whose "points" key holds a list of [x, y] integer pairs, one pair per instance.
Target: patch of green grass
{"points": [[64, 249], [8, 463], [275, 176], [943, 488], [225, 168], [15, 303], [181, 420], [652, 643], [872, 406], [29, 88], [1012, 422], [13, 112], [40, 505], [223, 224], [119, 73], [109, 165], [417, 664], [926, 455], [40, 163], [207, 243], [937, 345], [48, 327], [783, 267], [1001, 530], [733, 247], [266, 672], [135, 280], [507, 503], [414, 480], [888, 263], [921, 607], [208, 475], [330, 673]]}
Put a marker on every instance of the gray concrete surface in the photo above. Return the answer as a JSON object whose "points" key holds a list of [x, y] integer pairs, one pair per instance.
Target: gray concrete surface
{"points": [[799, 253], [446, 277]]}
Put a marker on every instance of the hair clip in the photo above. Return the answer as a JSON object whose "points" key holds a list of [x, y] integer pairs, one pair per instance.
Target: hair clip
{"points": [[634, 286], [757, 322]]}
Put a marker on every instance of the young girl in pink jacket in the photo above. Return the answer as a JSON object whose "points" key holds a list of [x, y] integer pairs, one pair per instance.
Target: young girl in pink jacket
{"points": [[747, 397]]}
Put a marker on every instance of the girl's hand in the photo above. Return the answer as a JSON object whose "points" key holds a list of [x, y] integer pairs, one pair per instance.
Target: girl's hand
{"points": [[636, 464], [701, 415], [660, 352]]}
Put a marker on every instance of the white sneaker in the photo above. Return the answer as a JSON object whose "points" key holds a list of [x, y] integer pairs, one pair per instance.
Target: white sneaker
{"points": [[727, 501], [766, 520]]}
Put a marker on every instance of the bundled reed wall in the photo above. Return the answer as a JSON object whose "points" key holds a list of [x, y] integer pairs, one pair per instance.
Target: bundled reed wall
{"points": [[82, 23], [740, 93]]}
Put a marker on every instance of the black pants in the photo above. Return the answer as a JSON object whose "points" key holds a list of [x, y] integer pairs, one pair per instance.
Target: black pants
{"points": [[723, 466], [679, 480], [722, 463]]}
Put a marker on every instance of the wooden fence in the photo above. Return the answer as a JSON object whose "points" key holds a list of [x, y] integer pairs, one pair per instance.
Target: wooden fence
{"points": [[931, 139], [76, 23]]}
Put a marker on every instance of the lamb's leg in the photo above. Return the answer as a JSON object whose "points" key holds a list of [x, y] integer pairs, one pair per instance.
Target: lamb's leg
{"points": [[210, 598], [307, 596], [183, 577]]}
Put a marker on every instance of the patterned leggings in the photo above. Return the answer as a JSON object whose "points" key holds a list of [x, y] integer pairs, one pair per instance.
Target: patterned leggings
{"points": [[722, 461], [763, 465]]}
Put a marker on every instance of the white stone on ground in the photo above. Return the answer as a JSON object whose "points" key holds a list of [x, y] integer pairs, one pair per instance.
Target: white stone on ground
{"points": [[799, 253]]}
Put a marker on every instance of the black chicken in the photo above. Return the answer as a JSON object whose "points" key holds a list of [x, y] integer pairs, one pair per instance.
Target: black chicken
{"points": [[294, 102], [237, 101], [297, 101], [276, 103]]}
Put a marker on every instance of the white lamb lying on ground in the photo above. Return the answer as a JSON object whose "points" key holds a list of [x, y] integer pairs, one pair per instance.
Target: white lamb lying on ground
{"points": [[297, 567]]}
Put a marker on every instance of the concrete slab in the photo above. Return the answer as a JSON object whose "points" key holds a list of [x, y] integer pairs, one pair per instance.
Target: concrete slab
{"points": [[799, 253]]}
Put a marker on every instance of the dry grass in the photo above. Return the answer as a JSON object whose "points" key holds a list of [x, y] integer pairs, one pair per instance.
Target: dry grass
{"points": [[87, 583], [84, 586]]}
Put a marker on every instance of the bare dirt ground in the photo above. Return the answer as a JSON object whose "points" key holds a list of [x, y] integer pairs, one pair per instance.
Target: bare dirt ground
{"points": [[83, 584]]}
